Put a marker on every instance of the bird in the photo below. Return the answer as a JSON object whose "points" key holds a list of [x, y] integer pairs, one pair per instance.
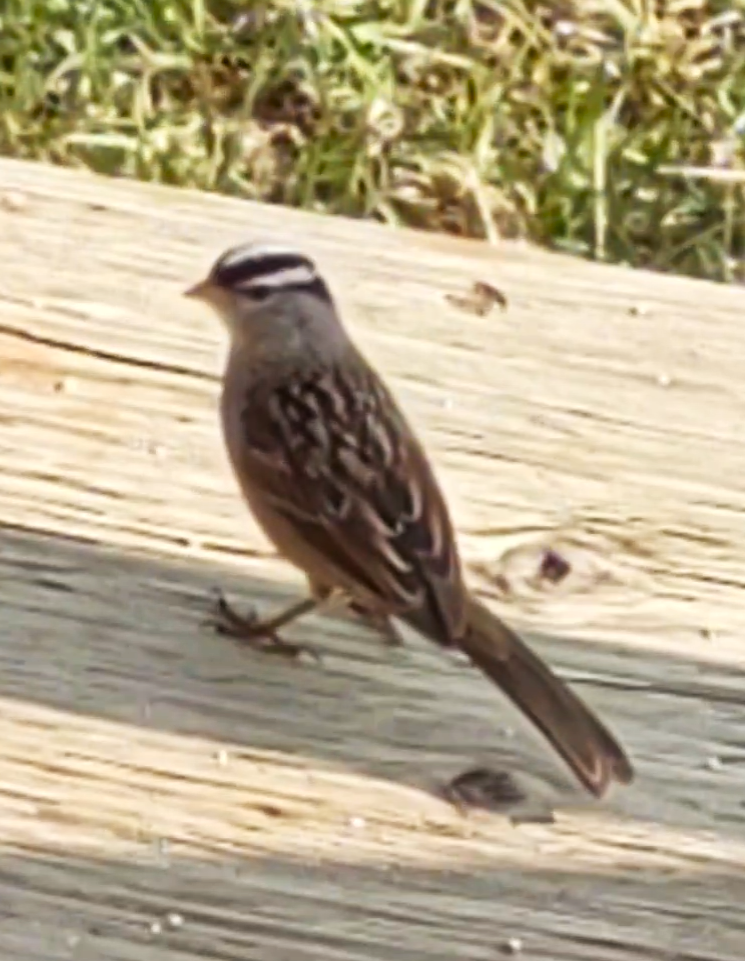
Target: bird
{"points": [[340, 483]]}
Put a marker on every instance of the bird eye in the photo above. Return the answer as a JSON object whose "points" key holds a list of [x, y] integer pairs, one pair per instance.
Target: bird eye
{"points": [[258, 294]]}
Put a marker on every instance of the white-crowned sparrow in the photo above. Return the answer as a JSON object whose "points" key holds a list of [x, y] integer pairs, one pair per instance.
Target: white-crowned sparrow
{"points": [[338, 481]]}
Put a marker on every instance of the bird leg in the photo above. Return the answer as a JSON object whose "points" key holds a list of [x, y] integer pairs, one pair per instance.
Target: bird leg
{"points": [[381, 623], [263, 634]]}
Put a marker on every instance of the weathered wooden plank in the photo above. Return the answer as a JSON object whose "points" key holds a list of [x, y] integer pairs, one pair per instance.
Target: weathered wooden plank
{"points": [[149, 767]]}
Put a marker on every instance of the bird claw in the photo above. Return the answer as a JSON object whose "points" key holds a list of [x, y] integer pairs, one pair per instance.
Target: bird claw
{"points": [[249, 629]]}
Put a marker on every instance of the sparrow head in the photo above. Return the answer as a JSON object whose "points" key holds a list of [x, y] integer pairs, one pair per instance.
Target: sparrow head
{"points": [[253, 275]]}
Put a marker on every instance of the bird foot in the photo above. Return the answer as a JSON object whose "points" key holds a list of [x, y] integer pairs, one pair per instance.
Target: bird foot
{"points": [[255, 633]]}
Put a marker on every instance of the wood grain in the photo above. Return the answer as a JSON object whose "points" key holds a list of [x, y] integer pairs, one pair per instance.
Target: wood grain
{"points": [[164, 793]]}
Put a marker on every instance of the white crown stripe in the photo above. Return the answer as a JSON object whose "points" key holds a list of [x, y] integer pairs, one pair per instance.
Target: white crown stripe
{"points": [[255, 253], [289, 277]]}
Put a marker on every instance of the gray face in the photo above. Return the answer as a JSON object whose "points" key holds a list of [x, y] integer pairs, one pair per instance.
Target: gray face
{"points": [[272, 297]]}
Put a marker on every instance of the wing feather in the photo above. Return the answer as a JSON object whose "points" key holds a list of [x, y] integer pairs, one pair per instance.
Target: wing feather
{"points": [[338, 461]]}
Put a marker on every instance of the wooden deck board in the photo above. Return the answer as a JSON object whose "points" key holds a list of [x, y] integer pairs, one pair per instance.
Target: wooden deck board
{"points": [[284, 811]]}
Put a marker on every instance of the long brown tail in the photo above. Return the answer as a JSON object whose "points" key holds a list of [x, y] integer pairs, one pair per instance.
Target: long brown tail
{"points": [[575, 732]]}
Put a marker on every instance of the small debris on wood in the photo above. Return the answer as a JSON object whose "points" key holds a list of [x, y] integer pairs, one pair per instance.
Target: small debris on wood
{"points": [[65, 385], [639, 310], [484, 788], [480, 300], [553, 562], [154, 449], [512, 947], [358, 823], [554, 568], [714, 763], [664, 379], [174, 920]]}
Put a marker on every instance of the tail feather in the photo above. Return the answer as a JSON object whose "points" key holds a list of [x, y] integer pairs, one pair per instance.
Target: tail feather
{"points": [[568, 724]]}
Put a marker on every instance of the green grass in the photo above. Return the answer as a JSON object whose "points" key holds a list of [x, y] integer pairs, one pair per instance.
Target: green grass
{"points": [[553, 121]]}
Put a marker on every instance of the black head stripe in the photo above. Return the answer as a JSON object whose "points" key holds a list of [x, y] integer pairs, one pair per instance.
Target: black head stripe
{"points": [[261, 291], [252, 265]]}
